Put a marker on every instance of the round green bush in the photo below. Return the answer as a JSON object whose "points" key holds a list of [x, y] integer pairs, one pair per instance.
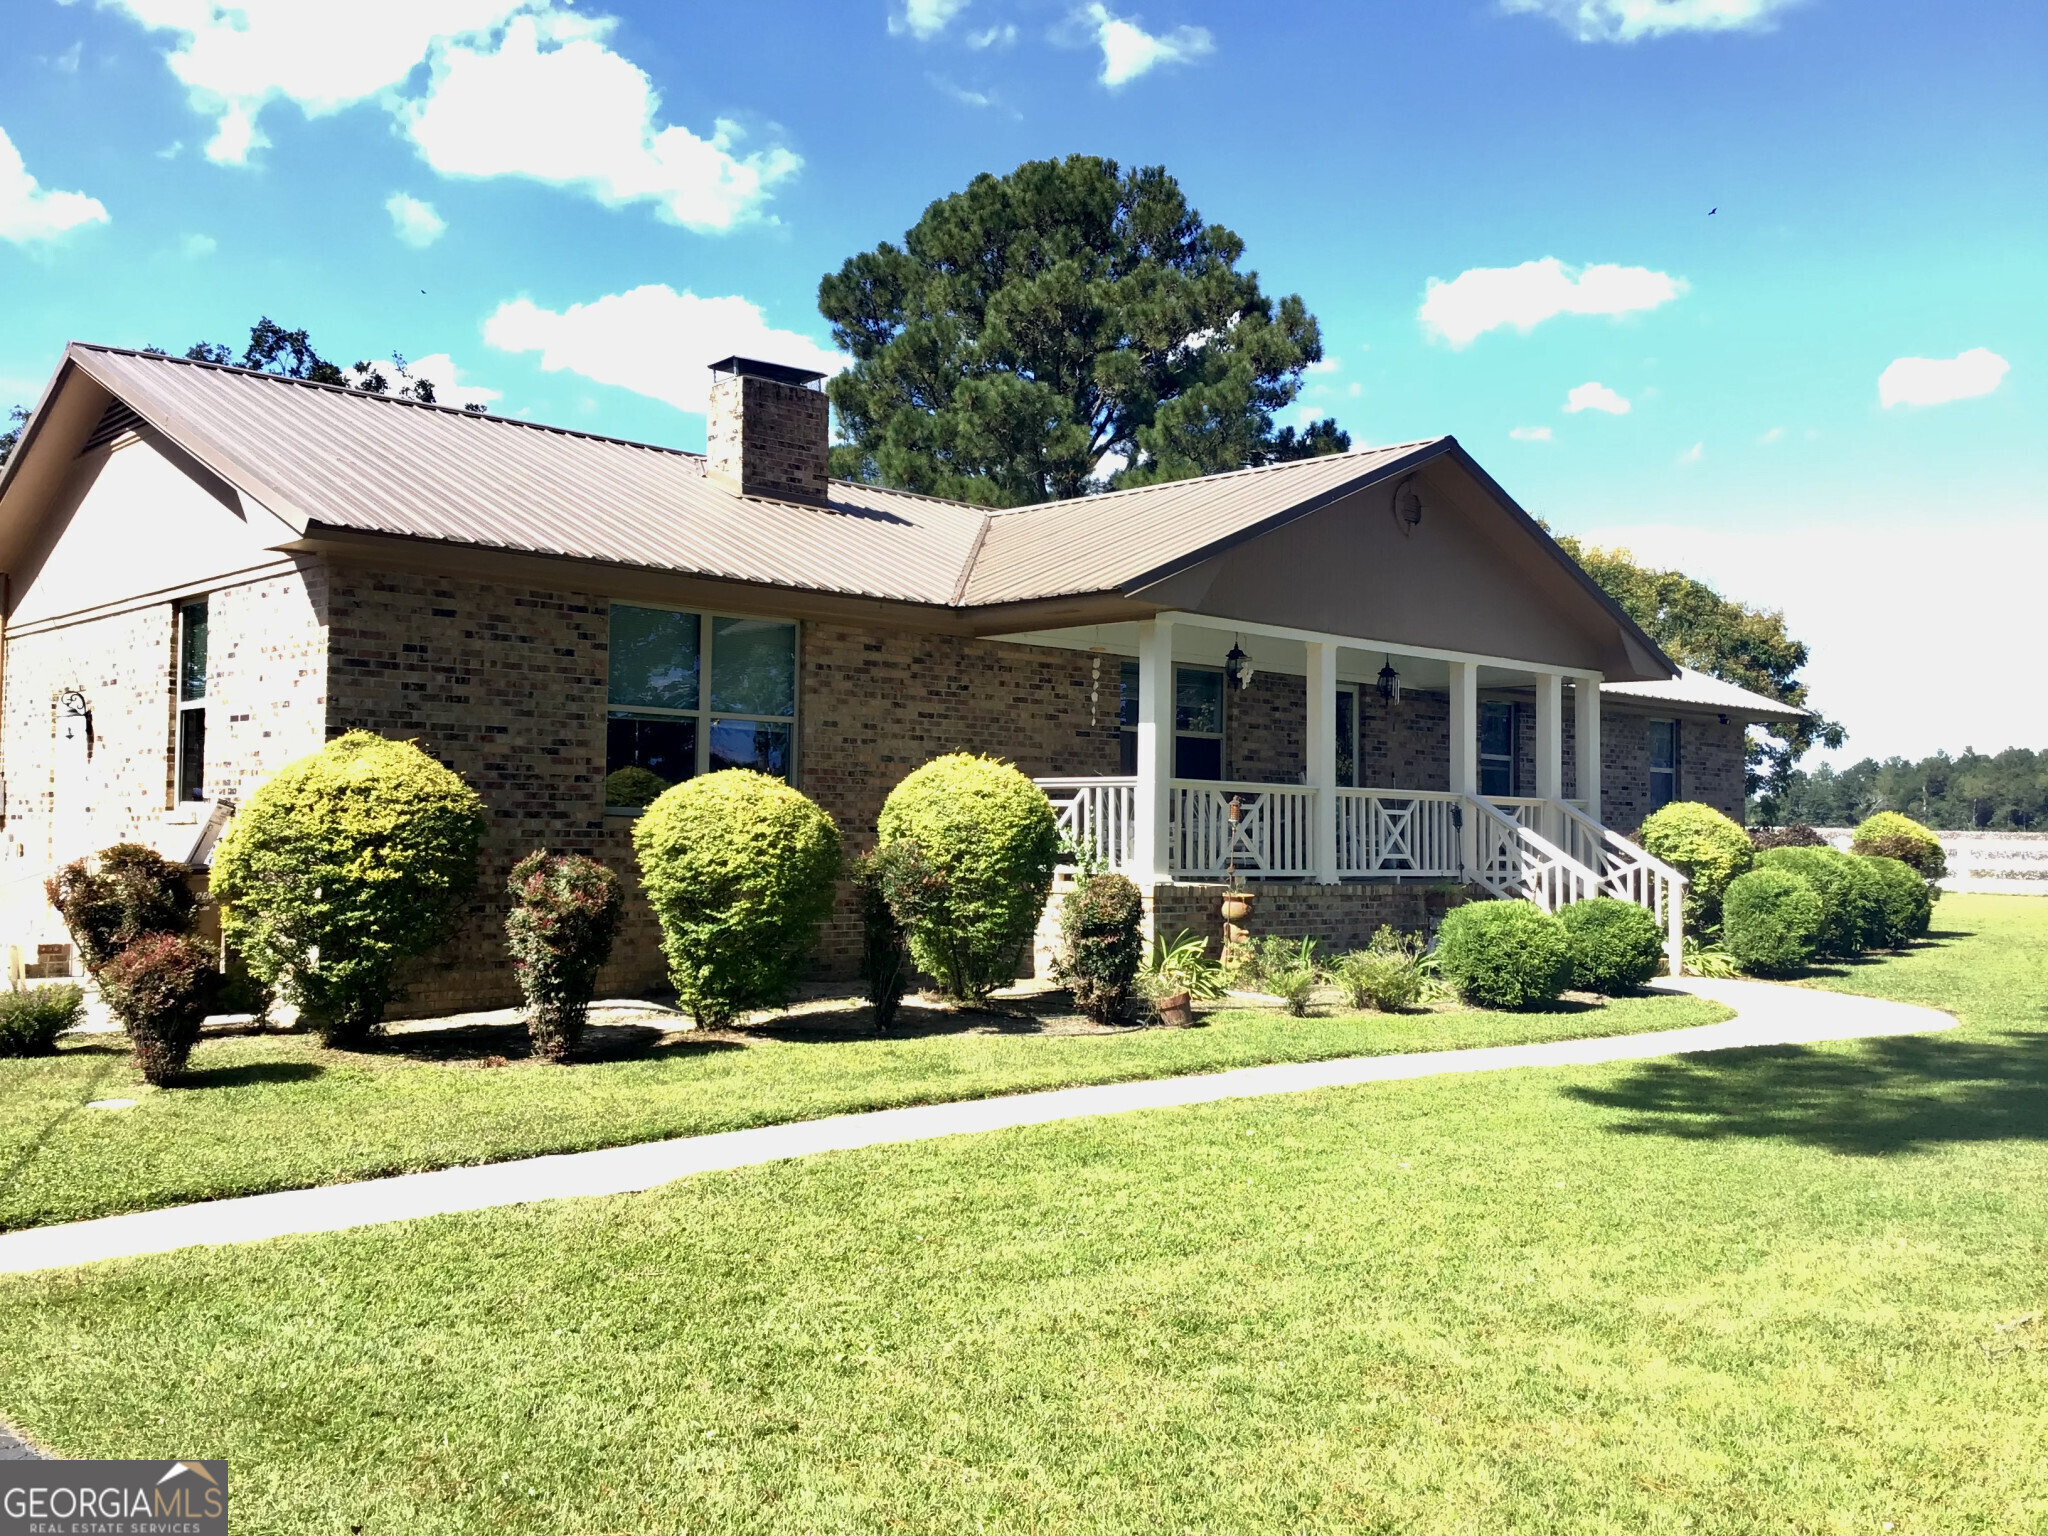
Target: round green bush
{"points": [[1770, 920], [1616, 945], [989, 836], [1904, 899], [1850, 903], [32, 1018], [1704, 846], [739, 869], [1504, 954], [1888, 835], [564, 915], [1103, 944], [342, 866]]}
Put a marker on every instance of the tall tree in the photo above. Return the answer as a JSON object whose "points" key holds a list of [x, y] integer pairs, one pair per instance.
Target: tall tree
{"points": [[273, 349], [15, 417], [1701, 629], [1063, 328]]}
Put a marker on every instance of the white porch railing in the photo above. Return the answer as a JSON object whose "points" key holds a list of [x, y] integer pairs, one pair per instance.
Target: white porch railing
{"points": [[1632, 874], [1399, 832], [1271, 835], [1097, 816], [1516, 860]]}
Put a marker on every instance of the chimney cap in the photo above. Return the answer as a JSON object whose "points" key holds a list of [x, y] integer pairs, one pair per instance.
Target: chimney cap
{"points": [[751, 367]]}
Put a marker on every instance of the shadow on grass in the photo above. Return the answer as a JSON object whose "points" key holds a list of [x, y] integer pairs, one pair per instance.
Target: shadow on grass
{"points": [[1879, 1097], [249, 1074]]}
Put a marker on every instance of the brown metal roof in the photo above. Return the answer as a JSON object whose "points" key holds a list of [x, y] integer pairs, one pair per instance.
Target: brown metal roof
{"points": [[320, 456]]}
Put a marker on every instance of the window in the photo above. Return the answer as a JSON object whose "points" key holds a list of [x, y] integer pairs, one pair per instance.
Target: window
{"points": [[1347, 737], [1197, 721], [1496, 749], [692, 694], [190, 769], [1663, 762]]}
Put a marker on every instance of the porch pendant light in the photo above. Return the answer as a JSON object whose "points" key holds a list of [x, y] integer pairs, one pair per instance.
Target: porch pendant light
{"points": [[1237, 668], [1390, 681]]}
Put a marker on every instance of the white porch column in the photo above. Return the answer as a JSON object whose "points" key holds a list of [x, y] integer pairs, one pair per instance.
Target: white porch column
{"points": [[1549, 736], [1322, 757], [1465, 748], [1586, 742], [1151, 845]]}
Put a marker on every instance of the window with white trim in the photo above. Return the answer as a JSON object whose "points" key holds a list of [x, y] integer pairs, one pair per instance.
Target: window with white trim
{"points": [[692, 693], [1496, 748], [190, 771], [1663, 762], [1347, 735], [1197, 723]]}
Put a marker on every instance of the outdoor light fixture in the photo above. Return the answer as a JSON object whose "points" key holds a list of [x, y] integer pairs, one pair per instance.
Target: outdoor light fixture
{"points": [[1390, 682], [1407, 506], [1237, 667], [72, 702]]}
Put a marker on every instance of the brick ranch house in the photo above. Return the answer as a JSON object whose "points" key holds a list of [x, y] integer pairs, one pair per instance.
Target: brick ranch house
{"points": [[210, 571]]}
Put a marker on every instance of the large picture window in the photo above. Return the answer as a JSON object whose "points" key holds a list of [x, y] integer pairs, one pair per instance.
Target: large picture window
{"points": [[692, 693], [190, 771], [1197, 721]]}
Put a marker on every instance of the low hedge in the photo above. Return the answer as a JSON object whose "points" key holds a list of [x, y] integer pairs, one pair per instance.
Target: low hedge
{"points": [[31, 1019], [1616, 946], [1770, 921], [1504, 954], [1851, 903], [1704, 846]]}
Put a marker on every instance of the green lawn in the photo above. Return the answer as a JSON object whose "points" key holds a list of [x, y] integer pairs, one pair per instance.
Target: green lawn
{"points": [[1759, 1291], [278, 1112]]}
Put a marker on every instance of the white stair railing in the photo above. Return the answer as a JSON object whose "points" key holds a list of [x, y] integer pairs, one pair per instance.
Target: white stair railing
{"points": [[1632, 874], [1514, 861]]}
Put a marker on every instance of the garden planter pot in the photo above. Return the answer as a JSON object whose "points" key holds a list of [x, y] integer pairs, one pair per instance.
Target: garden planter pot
{"points": [[1237, 906], [1177, 1011]]}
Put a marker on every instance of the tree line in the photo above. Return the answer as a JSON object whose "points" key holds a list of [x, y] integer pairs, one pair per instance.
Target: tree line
{"points": [[1978, 791]]}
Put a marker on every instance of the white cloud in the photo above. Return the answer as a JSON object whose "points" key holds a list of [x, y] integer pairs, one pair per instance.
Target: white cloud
{"points": [[1693, 454], [1628, 21], [652, 340], [439, 369], [1129, 51], [1530, 434], [1325, 365], [1776, 434], [961, 94], [235, 57], [993, 37], [414, 222], [1481, 299], [1938, 380], [1354, 389], [925, 18], [31, 212], [196, 246], [66, 63], [1593, 396], [598, 129]]}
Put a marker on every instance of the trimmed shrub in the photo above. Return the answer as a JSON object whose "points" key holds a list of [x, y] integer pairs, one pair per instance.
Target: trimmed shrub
{"points": [[1850, 900], [1904, 899], [1798, 835], [1771, 919], [885, 879], [161, 988], [1102, 945], [1386, 975], [1504, 954], [633, 786], [989, 835], [1888, 835], [739, 868], [342, 866], [114, 898], [1704, 846], [1616, 946], [32, 1018], [565, 914]]}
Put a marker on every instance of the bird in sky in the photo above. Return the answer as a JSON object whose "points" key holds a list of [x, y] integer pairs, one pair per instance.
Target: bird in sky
{"points": [[1710, 213]]}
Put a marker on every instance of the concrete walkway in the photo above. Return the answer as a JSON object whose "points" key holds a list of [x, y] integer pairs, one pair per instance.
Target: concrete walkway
{"points": [[1766, 1015]]}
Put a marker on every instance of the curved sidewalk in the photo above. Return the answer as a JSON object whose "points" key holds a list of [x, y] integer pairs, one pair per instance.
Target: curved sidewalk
{"points": [[1766, 1014]]}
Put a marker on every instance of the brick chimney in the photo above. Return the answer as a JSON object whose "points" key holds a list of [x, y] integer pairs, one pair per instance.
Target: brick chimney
{"points": [[768, 431]]}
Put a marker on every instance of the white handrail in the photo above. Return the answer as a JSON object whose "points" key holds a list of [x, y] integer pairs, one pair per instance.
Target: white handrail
{"points": [[1096, 816], [1272, 834], [1410, 832], [1633, 874], [1513, 860]]}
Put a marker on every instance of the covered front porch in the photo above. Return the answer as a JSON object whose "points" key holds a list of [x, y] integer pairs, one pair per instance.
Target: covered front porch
{"points": [[1250, 751]]}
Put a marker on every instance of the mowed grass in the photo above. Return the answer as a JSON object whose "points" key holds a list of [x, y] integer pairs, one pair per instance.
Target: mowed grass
{"points": [[1775, 1290], [268, 1112]]}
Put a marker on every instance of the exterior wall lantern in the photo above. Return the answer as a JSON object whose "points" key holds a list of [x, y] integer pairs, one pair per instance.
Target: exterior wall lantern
{"points": [[1390, 682], [1238, 668], [72, 703]]}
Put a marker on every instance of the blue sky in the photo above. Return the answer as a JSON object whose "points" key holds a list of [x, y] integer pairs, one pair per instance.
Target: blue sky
{"points": [[1827, 395]]}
